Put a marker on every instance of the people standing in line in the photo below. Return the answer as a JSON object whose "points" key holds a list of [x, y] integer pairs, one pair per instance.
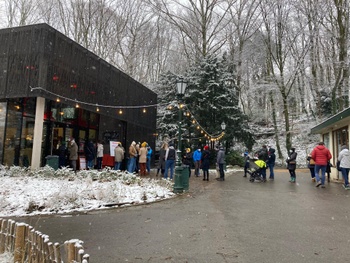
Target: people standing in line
{"points": [[262, 154], [246, 163], [292, 165], [220, 160], [118, 156], [311, 166], [137, 166], [187, 160], [205, 159], [132, 157], [321, 155], [73, 154], [344, 159], [329, 170], [197, 157], [122, 165], [143, 158], [149, 158], [89, 151], [170, 157], [62, 155], [262, 168], [161, 162], [271, 160], [99, 155]]}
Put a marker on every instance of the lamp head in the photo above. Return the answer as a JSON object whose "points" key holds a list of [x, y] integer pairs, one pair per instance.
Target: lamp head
{"points": [[223, 126], [181, 86]]}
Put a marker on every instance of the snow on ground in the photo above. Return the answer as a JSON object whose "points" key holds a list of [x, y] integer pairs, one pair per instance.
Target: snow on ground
{"points": [[45, 191]]}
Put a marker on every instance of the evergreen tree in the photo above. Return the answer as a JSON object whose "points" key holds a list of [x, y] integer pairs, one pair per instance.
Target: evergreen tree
{"points": [[210, 98], [167, 118]]}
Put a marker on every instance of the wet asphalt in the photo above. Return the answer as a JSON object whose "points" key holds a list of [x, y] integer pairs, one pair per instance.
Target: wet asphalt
{"points": [[230, 221]]}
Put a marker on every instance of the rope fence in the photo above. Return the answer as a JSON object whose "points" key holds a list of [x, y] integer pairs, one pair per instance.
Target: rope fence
{"points": [[30, 246]]}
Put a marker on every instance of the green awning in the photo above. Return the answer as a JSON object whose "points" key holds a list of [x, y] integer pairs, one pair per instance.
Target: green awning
{"points": [[333, 123]]}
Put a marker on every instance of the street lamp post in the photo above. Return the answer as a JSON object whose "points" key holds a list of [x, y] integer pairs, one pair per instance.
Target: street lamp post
{"points": [[178, 187], [223, 127]]}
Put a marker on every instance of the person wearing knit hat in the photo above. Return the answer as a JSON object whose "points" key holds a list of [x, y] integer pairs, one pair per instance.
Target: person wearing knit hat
{"points": [[205, 163], [344, 159], [143, 158], [187, 160], [292, 164]]}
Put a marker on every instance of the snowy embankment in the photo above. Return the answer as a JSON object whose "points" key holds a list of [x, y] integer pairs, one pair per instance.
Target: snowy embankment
{"points": [[45, 191]]}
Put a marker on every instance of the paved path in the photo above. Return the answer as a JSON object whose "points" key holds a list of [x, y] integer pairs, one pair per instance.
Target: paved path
{"points": [[230, 221]]}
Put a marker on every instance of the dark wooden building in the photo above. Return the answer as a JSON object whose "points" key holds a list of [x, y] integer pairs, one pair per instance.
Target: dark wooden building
{"points": [[52, 88]]}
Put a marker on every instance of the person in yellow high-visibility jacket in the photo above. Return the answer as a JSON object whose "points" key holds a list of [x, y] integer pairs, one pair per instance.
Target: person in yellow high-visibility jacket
{"points": [[262, 165]]}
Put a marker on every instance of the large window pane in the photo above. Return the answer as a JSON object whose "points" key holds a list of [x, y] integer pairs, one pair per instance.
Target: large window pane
{"points": [[13, 133]]}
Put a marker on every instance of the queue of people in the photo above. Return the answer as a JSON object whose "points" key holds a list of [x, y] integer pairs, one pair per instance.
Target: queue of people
{"points": [[139, 160], [199, 160], [318, 163]]}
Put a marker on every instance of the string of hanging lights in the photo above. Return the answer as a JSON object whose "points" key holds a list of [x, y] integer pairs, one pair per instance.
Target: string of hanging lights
{"points": [[188, 113], [199, 127], [78, 102]]}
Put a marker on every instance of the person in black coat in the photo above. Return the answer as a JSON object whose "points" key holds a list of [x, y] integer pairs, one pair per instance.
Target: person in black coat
{"points": [[271, 163], [292, 164], [246, 163], [89, 150], [62, 155], [187, 160], [205, 163]]}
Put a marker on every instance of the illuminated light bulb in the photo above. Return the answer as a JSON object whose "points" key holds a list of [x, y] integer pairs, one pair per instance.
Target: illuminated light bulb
{"points": [[77, 105], [144, 110], [120, 112], [58, 100], [97, 109], [197, 127]]}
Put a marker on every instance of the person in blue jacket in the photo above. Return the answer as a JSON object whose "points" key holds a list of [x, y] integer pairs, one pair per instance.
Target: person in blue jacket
{"points": [[149, 157], [197, 157]]}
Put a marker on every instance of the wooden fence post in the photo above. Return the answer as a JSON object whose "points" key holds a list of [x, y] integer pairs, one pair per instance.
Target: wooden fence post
{"points": [[19, 248], [57, 253], [30, 246], [70, 251], [86, 258], [3, 229]]}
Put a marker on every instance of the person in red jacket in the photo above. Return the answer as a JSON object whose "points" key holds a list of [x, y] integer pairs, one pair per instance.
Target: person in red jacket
{"points": [[321, 155]]}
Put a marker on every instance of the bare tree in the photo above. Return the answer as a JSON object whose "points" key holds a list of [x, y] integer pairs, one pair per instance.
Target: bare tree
{"points": [[245, 23], [200, 23], [22, 12], [281, 41]]}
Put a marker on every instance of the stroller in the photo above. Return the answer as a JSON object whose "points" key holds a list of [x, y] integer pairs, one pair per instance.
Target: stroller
{"points": [[255, 170]]}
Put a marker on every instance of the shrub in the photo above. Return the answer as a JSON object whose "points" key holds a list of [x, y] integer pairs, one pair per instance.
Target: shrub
{"points": [[234, 158]]}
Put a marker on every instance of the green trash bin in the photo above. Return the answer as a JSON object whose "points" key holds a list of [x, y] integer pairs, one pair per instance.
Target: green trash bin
{"points": [[52, 161], [185, 177]]}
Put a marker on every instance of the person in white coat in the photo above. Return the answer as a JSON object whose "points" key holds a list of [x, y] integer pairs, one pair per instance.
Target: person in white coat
{"points": [[344, 159]]}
